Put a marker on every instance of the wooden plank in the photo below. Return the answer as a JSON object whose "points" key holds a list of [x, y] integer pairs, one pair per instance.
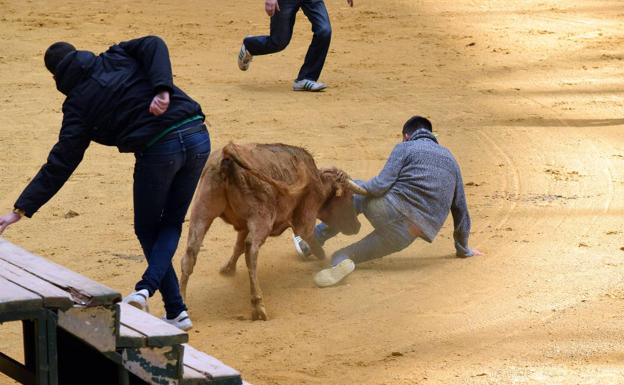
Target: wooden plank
{"points": [[83, 291], [15, 298], [130, 338], [53, 297], [216, 371], [97, 326], [191, 376], [158, 332], [156, 365]]}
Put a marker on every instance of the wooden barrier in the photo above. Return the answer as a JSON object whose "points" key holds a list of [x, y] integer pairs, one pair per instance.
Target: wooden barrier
{"points": [[77, 332]]}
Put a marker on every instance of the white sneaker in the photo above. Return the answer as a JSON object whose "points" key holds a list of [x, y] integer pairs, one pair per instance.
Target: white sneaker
{"points": [[301, 246], [335, 274], [182, 321], [308, 85], [138, 299], [244, 58]]}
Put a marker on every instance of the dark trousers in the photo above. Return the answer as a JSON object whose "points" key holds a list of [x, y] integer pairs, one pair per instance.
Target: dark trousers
{"points": [[392, 232], [165, 178], [282, 24]]}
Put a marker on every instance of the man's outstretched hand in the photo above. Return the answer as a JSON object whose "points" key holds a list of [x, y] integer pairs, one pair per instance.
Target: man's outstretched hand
{"points": [[476, 253], [271, 7], [160, 103], [472, 253], [350, 2], [7, 220]]}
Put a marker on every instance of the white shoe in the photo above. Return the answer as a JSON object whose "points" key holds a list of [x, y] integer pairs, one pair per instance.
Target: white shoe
{"points": [[308, 85], [301, 246], [244, 58], [182, 321], [335, 274], [138, 299]]}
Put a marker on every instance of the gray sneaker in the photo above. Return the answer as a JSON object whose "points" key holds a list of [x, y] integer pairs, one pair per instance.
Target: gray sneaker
{"points": [[138, 299], [308, 85], [334, 274], [244, 58], [182, 321]]}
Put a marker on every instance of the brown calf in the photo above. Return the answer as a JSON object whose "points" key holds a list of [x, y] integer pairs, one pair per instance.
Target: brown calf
{"points": [[261, 190]]}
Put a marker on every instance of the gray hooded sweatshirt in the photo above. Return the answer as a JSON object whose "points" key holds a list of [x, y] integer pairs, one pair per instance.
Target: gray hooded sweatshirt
{"points": [[422, 180]]}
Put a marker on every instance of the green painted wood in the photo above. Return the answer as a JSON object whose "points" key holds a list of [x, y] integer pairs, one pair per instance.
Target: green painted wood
{"points": [[53, 297], [14, 298], [156, 365], [82, 290], [157, 332]]}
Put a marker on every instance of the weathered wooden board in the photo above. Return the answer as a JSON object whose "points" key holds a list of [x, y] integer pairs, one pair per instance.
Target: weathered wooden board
{"points": [[15, 298], [97, 326], [191, 376], [157, 332], [159, 366], [83, 291], [130, 338], [53, 297], [214, 370]]}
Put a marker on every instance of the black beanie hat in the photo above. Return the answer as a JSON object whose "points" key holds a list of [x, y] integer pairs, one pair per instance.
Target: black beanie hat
{"points": [[55, 53]]}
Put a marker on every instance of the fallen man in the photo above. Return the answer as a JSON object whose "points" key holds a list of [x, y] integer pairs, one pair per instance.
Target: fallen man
{"points": [[411, 198]]}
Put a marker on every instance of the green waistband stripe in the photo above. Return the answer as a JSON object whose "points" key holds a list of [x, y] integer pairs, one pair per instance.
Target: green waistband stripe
{"points": [[169, 129]]}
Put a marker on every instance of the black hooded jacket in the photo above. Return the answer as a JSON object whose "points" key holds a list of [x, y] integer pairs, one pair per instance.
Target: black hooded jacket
{"points": [[108, 98]]}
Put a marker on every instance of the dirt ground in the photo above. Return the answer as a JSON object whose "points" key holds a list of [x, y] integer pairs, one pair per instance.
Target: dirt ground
{"points": [[526, 94]]}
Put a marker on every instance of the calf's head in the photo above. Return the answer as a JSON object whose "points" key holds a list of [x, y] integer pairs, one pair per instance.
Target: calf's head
{"points": [[338, 210]]}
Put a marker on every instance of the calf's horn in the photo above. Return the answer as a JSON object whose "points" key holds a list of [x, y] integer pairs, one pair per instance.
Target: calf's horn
{"points": [[355, 188]]}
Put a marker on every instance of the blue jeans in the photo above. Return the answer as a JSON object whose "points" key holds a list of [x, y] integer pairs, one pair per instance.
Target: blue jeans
{"points": [[165, 178], [392, 232], [282, 24]]}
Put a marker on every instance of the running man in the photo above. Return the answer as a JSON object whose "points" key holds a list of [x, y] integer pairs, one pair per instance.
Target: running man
{"points": [[283, 14]]}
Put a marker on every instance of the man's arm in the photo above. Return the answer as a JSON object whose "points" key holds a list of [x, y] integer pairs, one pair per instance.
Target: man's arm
{"points": [[64, 157], [461, 220], [153, 54], [389, 174]]}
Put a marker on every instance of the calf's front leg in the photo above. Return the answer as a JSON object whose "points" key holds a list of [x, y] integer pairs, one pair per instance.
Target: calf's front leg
{"points": [[306, 232]]}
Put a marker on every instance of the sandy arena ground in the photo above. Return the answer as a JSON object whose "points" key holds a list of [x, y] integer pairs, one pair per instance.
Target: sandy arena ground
{"points": [[527, 94]]}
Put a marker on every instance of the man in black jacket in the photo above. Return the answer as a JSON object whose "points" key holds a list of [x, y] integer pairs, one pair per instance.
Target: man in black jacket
{"points": [[125, 97]]}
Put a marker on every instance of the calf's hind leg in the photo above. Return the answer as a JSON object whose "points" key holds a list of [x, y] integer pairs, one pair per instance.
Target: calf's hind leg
{"points": [[207, 206], [239, 248], [197, 232]]}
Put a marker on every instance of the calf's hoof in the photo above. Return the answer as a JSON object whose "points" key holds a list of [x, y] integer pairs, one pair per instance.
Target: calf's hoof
{"points": [[259, 313], [228, 270]]}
